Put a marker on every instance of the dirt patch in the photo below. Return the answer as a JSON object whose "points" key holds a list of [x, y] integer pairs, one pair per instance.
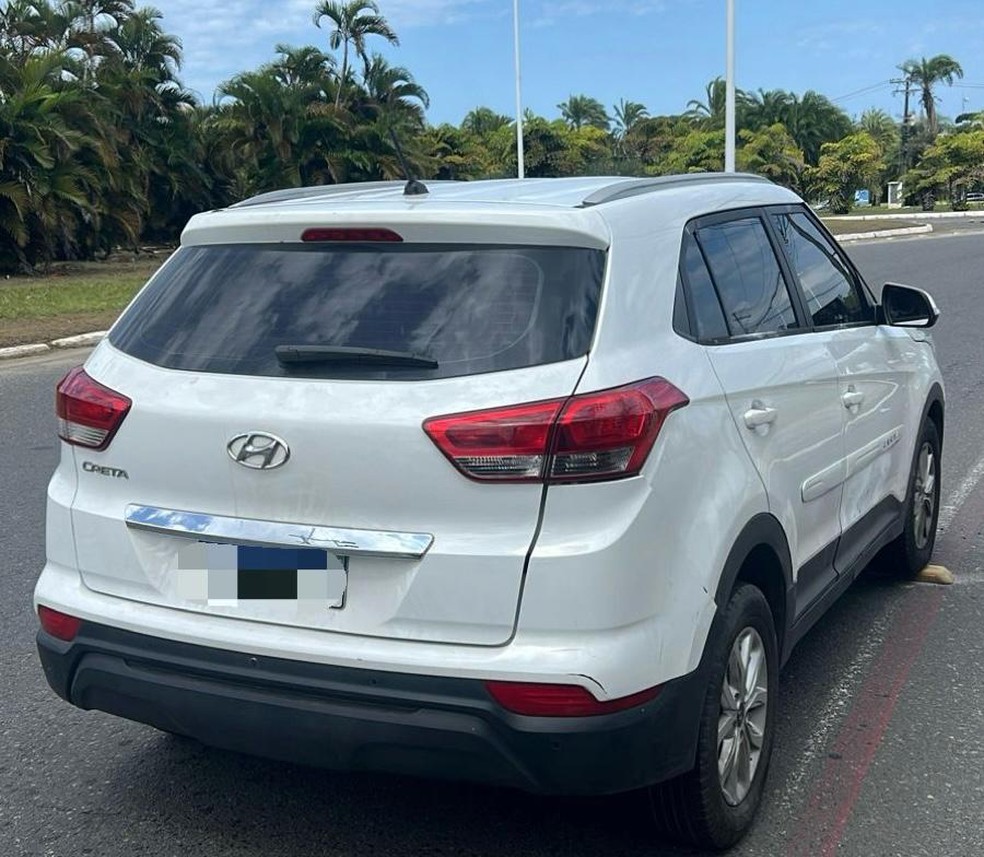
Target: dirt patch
{"points": [[27, 330]]}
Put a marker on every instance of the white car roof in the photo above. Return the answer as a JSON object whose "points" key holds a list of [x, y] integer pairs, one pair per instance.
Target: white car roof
{"points": [[553, 210]]}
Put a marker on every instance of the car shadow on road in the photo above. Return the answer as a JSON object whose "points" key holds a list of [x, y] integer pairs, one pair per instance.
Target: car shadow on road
{"points": [[214, 797]]}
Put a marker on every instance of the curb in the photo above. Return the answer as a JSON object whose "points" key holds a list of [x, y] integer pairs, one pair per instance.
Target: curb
{"points": [[79, 341], [886, 233], [908, 215]]}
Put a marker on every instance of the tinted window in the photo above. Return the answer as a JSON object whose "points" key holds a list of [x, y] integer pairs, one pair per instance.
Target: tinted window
{"points": [[704, 303], [832, 294], [681, 320], [748, 277], [225, 308]]}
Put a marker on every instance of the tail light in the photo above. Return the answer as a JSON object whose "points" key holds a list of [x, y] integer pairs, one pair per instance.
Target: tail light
{"points": [[606, 435], [59, 625], [88, 413], [560, 700]]}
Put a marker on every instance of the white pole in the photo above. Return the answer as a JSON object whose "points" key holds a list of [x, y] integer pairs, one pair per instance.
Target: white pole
{"points": [[729, 115], [520, 155]]}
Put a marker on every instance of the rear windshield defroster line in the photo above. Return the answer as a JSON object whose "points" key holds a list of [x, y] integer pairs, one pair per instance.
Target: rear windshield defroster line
{"points": [[469, 309]]}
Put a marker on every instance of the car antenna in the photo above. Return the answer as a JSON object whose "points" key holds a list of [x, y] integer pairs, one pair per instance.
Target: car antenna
{"points": [[413, 187]]}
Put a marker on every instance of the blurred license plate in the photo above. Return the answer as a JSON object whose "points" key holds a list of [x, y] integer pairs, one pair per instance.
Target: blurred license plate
{"points": [[228, 574]]}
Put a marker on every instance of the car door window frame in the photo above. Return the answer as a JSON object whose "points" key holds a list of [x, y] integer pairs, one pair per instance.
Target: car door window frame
{"points": [[857, 280], [804, 323]]}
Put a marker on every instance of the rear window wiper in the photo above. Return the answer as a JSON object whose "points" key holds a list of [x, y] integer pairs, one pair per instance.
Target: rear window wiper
{"points": [[342, 354]]}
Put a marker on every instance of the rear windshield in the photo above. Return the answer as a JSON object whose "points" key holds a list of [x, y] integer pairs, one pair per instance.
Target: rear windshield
{"points": [[471, 309]]}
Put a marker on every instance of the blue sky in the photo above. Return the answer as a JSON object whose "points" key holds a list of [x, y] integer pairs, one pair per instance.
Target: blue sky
{"points": [[659, 52]]}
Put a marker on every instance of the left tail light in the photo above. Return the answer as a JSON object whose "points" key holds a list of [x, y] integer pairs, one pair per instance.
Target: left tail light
{"points": [[59, 625], [585, 438], [89, 414]]}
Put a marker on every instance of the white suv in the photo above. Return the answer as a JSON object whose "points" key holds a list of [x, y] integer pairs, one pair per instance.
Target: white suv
{"points": [[530, 483]]}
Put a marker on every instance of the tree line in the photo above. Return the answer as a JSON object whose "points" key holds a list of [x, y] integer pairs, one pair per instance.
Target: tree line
{"points": [[102, 146]]}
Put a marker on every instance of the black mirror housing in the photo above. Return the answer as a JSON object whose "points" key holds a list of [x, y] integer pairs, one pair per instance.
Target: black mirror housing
{"points": [[907, 306]]}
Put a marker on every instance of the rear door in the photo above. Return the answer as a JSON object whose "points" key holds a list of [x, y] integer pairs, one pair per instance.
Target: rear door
{"points": [[278, 394], [780, 381]]}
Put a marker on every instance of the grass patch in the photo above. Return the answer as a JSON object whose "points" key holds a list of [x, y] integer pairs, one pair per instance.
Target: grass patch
{"points": [[73, 298], [852, 227], [96, 287]]}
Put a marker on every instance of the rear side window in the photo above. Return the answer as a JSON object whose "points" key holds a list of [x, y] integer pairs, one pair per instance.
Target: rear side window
{"points": [[708, 318], [833, 296], [749, 280], [470, 309]]}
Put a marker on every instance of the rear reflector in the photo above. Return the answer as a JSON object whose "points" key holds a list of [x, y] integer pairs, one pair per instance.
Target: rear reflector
{"points": [[348, 234], [59, 625], [596, 436], [560, 700], [88, 413]]}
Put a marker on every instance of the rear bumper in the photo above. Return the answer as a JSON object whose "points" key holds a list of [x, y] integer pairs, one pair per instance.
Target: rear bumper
{"points": [[352, 719]]}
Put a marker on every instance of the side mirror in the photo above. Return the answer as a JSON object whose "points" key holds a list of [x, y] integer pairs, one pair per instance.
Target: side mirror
{"points": [[905, 306]]}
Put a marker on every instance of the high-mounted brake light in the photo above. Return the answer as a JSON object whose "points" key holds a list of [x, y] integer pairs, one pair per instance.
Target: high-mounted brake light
{"points": [[365, 234], [560, 700], [59, 625], [89, 414], [595, 436]]}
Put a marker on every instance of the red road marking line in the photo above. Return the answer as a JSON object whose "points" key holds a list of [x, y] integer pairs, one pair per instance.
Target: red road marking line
{"points": [[825, 817]]}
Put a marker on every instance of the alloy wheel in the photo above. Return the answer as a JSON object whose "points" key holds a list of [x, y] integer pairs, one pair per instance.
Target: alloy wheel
{"points": [[743, 718], [924, 496]]}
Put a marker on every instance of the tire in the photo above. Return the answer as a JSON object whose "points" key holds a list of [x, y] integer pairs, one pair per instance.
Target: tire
{"points": [[701, 807], [911, 552]]}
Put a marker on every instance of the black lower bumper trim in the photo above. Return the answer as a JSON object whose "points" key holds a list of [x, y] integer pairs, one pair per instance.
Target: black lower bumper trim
{"points": [[352, 719]]}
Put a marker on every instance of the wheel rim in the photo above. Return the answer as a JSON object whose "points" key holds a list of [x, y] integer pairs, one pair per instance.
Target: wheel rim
{"points": [[744, 714], [924, 496]]}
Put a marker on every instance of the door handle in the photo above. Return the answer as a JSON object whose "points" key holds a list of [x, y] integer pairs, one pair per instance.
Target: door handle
{"points": [[852, 399], [759, 417]]}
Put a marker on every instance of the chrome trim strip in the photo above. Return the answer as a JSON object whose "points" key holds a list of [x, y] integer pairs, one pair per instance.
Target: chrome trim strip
{"points": [[246, 531]]}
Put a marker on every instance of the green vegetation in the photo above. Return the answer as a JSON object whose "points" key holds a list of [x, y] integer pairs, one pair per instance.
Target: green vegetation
{"points": [[101, 147], [853, 226], [87, 288]]}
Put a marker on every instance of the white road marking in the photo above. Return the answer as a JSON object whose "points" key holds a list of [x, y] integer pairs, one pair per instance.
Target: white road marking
{"points": [[840, 697], [966, 487]]}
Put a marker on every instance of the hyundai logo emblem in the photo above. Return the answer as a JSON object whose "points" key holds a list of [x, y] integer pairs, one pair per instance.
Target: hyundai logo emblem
{"points": [[258, 451]]}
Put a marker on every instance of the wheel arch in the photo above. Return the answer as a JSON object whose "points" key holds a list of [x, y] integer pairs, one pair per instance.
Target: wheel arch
{"points": [[760, 556], [935, 408]]}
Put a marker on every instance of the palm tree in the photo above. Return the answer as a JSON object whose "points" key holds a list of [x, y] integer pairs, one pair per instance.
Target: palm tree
{"points": [[391, 88], [581, 110], [811, 119], [299, 67], [627, 114], [881, 127], [926, 73], [765, 108], [142, 44], [484, 121], [710, 112], [353, 21]]}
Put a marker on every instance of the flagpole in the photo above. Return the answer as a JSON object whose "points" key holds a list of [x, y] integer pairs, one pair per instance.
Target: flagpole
{"points": [[520, 155], [729, 114]]}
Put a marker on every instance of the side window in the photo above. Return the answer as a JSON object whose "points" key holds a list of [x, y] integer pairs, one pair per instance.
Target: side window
{"points": [[833, 296], [748, 277], [681, 319], [705, 307]]}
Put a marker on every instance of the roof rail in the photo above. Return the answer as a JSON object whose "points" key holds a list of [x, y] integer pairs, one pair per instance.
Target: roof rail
{"points": [[295, 193], [634, 187]]}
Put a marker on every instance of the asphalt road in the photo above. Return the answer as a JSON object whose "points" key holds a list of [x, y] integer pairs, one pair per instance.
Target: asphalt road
{"points": [[881, 737]]}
